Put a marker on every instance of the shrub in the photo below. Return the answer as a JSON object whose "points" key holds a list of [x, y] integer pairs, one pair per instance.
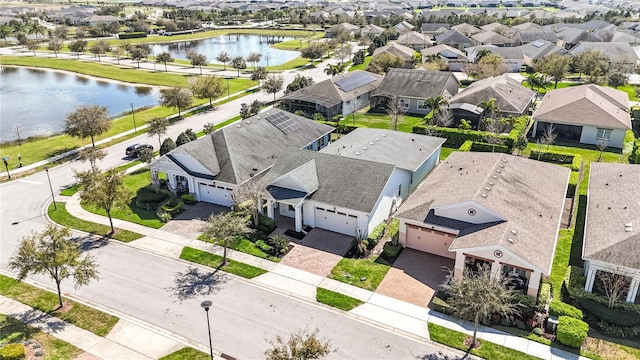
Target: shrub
{"points": [[456, 137], [191, 134], [280, 244], [635, 153], [538, 331], [543, 296], [558, 308], [558, 158], [572, 332], [377, 233], [439, 303], [150, 198], [393, 229], [527, 305], [466, 146], [266, 224], [391, 251], [264, 246], [13, 352], [182, 139], [484, 147], [132, 35], [346, 128], [167, 145], [188, 199]]}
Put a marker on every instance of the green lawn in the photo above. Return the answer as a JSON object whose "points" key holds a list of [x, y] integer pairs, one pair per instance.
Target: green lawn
{"points": [[350, 271], [487, 349], [62, 217], [564, 84], [446, 151], [295, 44], [186, 353], [131, 212], [80, 315], [362, 66], [337, 300], [13, 331], [382, 121], [213, 260]]}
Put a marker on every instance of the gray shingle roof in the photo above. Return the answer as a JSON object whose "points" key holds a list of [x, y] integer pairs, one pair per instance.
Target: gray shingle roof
{"points": [[526, 36], [419, 84], [531, 203], [404, 150], [613, 201], [395, 49], [616, 51], [237, 152], [510, 95], [453, 37], [491, 38], [540, 48], [351, 183], [590, 104]]}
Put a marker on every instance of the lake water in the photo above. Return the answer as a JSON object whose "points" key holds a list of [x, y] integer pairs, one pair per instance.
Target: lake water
{"points": [[38, 101], [234, 45]]}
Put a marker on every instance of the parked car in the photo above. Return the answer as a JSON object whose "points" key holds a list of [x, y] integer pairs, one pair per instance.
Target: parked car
{"points": [[134, 150]]}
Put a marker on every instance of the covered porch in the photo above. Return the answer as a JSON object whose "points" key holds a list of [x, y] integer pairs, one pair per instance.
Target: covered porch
{"points": [[628, 282]]}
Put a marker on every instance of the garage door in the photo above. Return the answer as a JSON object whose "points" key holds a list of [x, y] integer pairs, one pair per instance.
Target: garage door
{"points": [[430, 241], [336, 221], [215, 194]]}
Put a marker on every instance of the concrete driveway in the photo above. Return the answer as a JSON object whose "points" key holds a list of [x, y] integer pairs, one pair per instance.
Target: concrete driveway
{"points": [[318, 252], [415, 277]]}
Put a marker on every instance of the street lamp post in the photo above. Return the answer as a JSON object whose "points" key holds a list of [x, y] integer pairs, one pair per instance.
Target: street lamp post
{"points": [[228, 94], [133, 114], [51, 188], [206, 305], [6, 165]]}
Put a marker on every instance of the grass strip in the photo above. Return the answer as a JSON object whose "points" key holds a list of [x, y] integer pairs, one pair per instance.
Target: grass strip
{"points": [[337, 300], [487, 350], [80, 315], [353, 271], [212, 260], [62, 217], [15, 331], [186, 353]]}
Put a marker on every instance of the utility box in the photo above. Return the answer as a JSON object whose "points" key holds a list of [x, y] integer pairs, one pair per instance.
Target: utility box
{"points": [[552, 324]]}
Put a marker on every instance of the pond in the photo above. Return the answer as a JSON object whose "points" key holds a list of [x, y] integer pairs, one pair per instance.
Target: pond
{"points": [[38, 101], [234, 45]]}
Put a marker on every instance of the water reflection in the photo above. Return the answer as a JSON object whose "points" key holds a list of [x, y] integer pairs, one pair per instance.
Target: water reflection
{"points": [[234, 45], [39, 100]]}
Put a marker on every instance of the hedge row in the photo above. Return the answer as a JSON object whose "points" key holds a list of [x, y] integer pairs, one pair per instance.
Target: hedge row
{"points": [[466, 146], [13, 351], [346, 128], [484, 147], [558, 157], [635, 153], [132, 35], [623, 320], [558, 308], [572, 332]]}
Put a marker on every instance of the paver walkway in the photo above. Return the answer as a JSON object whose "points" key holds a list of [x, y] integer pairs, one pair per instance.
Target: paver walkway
{"points": [[388, 312]]}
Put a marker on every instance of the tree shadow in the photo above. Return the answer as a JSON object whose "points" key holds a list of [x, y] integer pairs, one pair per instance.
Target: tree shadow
{"points": [[40, 320], [575, 257], [439, 356], [92, 241], [195, 282]]}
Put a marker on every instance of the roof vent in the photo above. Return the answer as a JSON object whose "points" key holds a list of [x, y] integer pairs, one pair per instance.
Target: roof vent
{"points": [[628, 227], [510, 240], [498, 171], [491, 183], [383, 135], [501, 165], [494, 176], [514, 232], [484, 195], [412, 139], [371, 143], [248, 122], [238, 125], [364, 148], [504, 160], [258, 117], [357, 153], [487, 188], [377, 139], [460, 168]]}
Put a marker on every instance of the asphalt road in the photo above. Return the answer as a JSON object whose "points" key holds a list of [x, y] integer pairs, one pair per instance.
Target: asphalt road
{"points": [[142, 285]]}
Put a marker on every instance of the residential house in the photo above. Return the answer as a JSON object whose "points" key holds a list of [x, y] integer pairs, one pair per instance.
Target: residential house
{"points": [[527, 26], [412, 87], [371, 30], [433, 29], [589, 114], [512, 57], [620, 53], [512, 99], [489, 209], [454, 39], [528, 36], [414, 40], [404, 52], [353, 186], [466, 29], [342, 28], [338, 96], [491, 38], [403, 27], [211, 167], [570, 37], [612, 226], [453, 58], [498, 28], [538, 49]]}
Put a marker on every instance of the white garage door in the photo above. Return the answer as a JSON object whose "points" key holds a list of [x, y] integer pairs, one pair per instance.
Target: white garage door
{"points": [[336, 221], [430, 241], [215, 194]]}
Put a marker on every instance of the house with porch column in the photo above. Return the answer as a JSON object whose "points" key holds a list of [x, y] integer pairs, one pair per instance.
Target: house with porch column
{"points": [[212, 166], [489, 209], [612, 228]]}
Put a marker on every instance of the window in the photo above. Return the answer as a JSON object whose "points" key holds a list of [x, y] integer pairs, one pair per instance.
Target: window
{"points": [[404, 103], [603, 134], [422, 105], [399, 189]]}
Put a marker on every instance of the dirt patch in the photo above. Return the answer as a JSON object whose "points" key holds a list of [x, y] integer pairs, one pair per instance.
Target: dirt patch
{"points": [[467, 343], [66, 306]]}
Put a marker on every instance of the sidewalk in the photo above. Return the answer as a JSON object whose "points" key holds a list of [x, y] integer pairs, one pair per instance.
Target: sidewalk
{"points": [[127, 340], [392, 314]]}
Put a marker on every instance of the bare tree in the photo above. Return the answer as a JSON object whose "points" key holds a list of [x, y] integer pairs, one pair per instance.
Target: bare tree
{"points": [[444, 118], [615, 285], [248, 197], [602, 146], [16, 129], [396, 111], [301, 345], [494, 127], [549, 136]]}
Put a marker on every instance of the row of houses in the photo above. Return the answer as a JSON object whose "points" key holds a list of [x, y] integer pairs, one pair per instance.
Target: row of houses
{"points": [[587, 114]]}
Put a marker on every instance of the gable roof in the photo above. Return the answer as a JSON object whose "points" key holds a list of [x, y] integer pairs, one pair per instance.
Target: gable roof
{"points": [[345, 182], [531, 204], [466, 29], [529, 35], [612, 202], [237, 152], [506, 53], [453, 37], [510, 95], [490, 37], [419, 84], [326, 93], [445, 51], [383, 146], [616, 51], [413, 37], [395, 49], [434, 27], [540, 48], [589, 104]]}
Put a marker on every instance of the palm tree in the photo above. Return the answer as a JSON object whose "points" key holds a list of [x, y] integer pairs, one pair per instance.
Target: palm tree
{"points": [[436, 104], [336, 69], [490, 108]]}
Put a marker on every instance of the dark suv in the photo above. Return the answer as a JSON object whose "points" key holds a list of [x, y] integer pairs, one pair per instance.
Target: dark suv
{"points": [[134, 150]]}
